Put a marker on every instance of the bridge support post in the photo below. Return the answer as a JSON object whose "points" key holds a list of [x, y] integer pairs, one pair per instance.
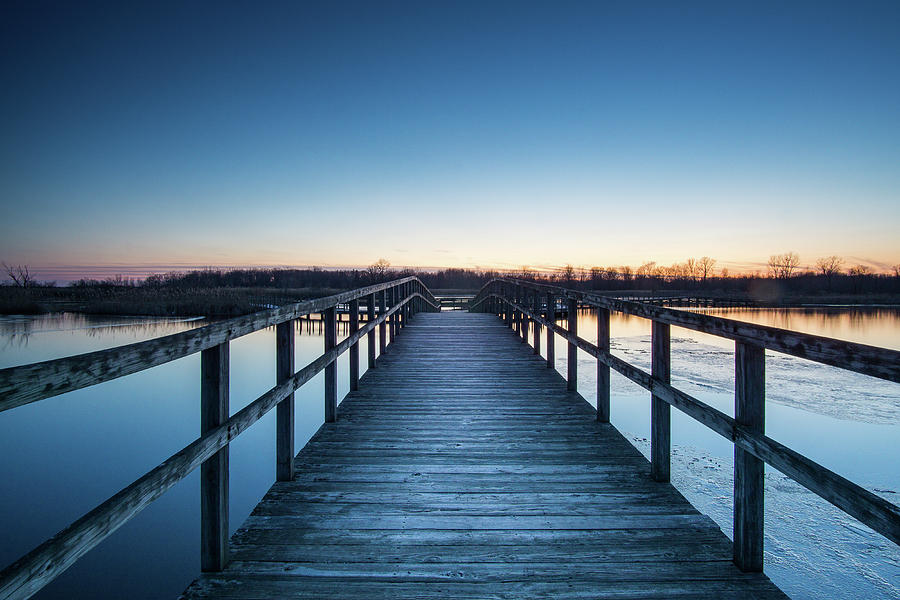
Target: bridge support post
{"points": [[370, 316], [602, 368], [749, 471], [354, 348], [660, 411], [392, 320], [522, 315], [572, 379], [284, 411], [214, 365], [331, 369], [551, 334], [536, 309], [382, 327]]}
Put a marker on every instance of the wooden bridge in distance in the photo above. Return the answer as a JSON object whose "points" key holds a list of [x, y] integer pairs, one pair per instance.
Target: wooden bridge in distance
{"points": [[460, 465]]}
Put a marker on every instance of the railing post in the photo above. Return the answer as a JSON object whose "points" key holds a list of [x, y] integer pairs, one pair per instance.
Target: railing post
{"points": [[602, 368], [524, 316], [572, 379], [392, 321], [382, 328], [749, 471], [284, 411], [660, 412], [214, 470], [370, 316], [536, 309], [331, 369], [354, 348], [507, 309], [551, 334]]}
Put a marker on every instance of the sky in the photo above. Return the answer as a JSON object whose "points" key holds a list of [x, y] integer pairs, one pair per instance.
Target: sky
{"points": [[493, 134]]}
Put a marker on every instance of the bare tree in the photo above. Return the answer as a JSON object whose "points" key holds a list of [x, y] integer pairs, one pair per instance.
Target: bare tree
{"points": [[645, 270], [896, 269], [705, 267], [860, 270], [379, 270], [782, 266], [19, 274], [829, 266], [690, 268]]}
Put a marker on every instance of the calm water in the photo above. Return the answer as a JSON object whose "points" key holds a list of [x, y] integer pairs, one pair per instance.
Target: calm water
{"points": [[64, 455]]}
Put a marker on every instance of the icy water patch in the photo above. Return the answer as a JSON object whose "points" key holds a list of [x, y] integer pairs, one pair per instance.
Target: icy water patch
{"points": [[812, 549], [790, 381]]}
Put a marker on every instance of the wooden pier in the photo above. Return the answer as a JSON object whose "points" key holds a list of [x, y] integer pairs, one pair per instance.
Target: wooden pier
{"points": [[462, 468], [461, 465]]}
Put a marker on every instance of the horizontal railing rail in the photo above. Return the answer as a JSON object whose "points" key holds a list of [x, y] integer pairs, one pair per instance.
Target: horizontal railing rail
{"points": [[36, 569], [519, 302]]}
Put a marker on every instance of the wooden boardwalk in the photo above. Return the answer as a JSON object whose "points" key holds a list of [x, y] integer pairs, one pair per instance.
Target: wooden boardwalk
{"points": [[462, 468]]}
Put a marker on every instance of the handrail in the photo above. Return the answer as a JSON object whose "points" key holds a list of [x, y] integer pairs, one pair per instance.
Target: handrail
{"points": [[872, 510], [29, 383], [878, 362], [36, 569]]}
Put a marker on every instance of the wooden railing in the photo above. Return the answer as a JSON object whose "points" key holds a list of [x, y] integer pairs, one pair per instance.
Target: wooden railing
{"points": [[397, 301], [519, 303]]}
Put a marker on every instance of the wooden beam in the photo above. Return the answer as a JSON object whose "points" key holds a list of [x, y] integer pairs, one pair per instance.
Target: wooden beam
{"points": [[551, 338], [749, 471], [354, 348], [370, 318], [572, 378], [284, 413], [602, 368], [660, 413], [214, 470], [331, 369]]}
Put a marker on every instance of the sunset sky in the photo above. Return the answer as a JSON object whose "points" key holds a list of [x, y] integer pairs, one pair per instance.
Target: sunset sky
{"points": [[484, 134]]}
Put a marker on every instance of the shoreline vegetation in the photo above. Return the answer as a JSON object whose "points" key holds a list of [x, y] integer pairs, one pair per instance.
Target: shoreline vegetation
{"points": [[226, 293]]}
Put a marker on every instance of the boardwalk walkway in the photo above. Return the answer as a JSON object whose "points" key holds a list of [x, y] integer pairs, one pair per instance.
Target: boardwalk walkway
{"points": [[463, 469]]}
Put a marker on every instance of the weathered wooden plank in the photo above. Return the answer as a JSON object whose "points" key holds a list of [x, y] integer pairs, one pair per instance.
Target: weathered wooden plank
{"points": [[214, 369], [354, 349], [284, 413], [749, 471], [660, 416]]}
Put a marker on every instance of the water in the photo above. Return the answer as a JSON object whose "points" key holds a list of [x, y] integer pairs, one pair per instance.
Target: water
{"points": [[65, 455]]}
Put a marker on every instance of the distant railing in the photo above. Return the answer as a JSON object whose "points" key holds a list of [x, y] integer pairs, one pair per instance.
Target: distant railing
{"points": [[520, 302], [397, 300]]}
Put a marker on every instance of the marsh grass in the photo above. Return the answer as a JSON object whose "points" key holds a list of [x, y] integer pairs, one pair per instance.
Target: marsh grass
{"points": [[168, 302]]}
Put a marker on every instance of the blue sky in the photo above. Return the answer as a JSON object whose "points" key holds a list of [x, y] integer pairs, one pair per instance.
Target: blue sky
{"points": [[459, 134]]}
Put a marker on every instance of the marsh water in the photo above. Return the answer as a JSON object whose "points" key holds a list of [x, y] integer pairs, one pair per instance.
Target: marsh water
{"points": [[64, 455]]}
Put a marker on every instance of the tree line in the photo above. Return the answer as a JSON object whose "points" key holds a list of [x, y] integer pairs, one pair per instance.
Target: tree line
{"points": [[829, 274]]}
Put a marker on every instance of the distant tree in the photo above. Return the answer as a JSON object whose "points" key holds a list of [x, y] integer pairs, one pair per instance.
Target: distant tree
{"points": [[829, 266], [860, 271], [645, 270], [627, 273], [568, 274], [725, 273], [782, 266], [691, 268], [896, 269], [19, 275], [705, 267], [379, 270]]}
